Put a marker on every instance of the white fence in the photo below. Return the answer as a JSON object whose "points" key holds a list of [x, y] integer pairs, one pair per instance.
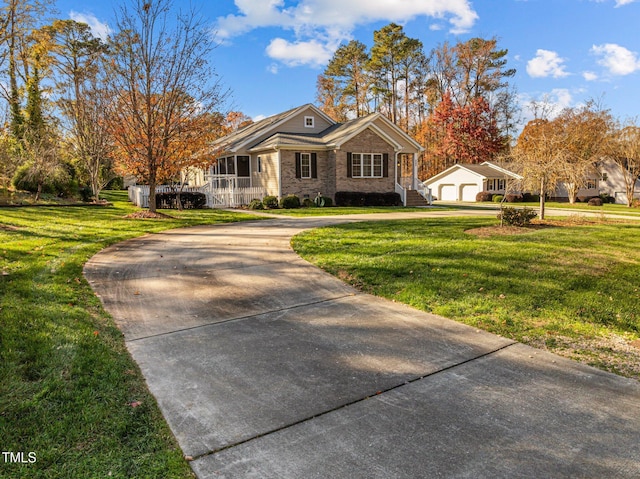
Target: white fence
{"points": [[229, 197]]}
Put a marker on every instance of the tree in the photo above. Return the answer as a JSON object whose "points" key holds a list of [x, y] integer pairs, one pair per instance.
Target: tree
{"points": [[584, 133], [9, 159], [348, 71], [540, 157], [388, 49], [161, 84], [460, 134], [625, 151], [19, 19], [331, 98], [79, 59]]}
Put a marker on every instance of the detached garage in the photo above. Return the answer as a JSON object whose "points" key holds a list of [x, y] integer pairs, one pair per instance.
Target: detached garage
{"points": [[463, 182]]}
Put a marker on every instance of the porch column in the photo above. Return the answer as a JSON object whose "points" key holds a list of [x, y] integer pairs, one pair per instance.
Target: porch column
{"points": [[415, 172]]}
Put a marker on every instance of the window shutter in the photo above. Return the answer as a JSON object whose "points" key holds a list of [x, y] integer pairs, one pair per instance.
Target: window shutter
{"points": [[314, 165], [298, 166], [349, 165], [385, 165]]}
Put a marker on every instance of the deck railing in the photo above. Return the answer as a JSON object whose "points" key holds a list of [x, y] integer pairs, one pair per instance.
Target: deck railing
{"points": [[230, 196]]}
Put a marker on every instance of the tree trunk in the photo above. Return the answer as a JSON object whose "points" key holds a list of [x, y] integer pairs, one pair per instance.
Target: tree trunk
{"points": [[542, 195]]}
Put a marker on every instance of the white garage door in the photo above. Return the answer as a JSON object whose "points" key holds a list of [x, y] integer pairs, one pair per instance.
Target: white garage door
{"points": [[448, 193], [469, 192]]}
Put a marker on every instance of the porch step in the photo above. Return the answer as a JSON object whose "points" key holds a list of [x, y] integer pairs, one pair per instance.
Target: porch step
{"points": [[416, 199]]}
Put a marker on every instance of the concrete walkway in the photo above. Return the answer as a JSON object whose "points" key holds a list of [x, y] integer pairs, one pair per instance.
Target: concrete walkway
{"points": [[266, 367]]}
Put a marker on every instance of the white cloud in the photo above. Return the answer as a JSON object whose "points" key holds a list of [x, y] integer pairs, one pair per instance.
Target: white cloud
{"points": [[98, 29], [589, 76], [320, 25], [616, 59], [546, 63], [620, 3], [313, 53]]}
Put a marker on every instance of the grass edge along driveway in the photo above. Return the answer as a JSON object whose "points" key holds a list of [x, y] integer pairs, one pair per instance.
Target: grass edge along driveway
{"points": [[572, 289], [72, 401]]}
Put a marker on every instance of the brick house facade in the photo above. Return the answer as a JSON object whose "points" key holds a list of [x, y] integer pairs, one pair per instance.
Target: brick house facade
{"points": [[304, 152]]}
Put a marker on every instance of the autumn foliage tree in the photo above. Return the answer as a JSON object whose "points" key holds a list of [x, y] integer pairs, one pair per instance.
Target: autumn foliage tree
{"points": [[163, 88], [459, 134]]}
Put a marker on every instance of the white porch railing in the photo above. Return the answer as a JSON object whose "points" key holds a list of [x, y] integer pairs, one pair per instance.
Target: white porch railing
{"points": [[228, 197]]}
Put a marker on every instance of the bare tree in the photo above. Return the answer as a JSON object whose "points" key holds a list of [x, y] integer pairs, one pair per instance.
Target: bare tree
{"points": [[161, 83], [625, 152], [540, 157]]}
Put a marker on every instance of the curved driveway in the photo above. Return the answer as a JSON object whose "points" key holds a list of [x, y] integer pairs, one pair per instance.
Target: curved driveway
{"points": [[266, 367]]}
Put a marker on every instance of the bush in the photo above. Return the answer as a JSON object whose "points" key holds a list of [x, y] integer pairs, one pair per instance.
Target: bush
{"points": [[595, 201], [583, 199], [290, 202], [116, 183], [85, 194], [484, 196], [270, 202], [530, 198], [321, 201], [355, 198], [189, 200], [635, 204], [607, 198], [256, 205], [308, 203], [498, 198], [59, 182], [516, 216], [513, 198]]}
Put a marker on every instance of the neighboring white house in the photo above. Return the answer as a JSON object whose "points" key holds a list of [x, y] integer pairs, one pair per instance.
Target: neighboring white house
{"points": [[462, 182], [612, 182]]}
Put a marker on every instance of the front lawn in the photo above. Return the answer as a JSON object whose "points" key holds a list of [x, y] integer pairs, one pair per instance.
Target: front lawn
{"points": [[573, 289], [349, 210], [70, 394]]}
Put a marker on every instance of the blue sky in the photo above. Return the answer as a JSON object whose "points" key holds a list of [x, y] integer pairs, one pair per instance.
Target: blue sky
{"points": [[271, 51]]}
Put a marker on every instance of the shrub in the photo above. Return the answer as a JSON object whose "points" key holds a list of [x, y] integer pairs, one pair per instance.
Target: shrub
{"points": [[513, 198], [530, 198], [308, 203], [607, 198], [595, 201], [635, 204], [517, 216], [484, 196], [583, 199], [290, 202], [256, 204], [85, 194], [60, 181], [356, 198], [189, 200], [321, 201], [498, 198], [116, 183], [270, 202]]}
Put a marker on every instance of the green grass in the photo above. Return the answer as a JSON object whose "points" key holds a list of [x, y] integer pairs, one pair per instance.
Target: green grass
{"points": [[577, 282], [346, 210], [69, 391], [609, 209]]}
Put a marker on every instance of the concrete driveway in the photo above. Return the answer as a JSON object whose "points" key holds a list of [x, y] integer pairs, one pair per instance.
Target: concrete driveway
{"points": [[266, 367]]}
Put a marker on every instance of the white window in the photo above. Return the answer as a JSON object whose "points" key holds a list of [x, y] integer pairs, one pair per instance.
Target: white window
{"points": [[309, 121], [366, 165], [592, 184], [496, 184], [305, 165]]}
